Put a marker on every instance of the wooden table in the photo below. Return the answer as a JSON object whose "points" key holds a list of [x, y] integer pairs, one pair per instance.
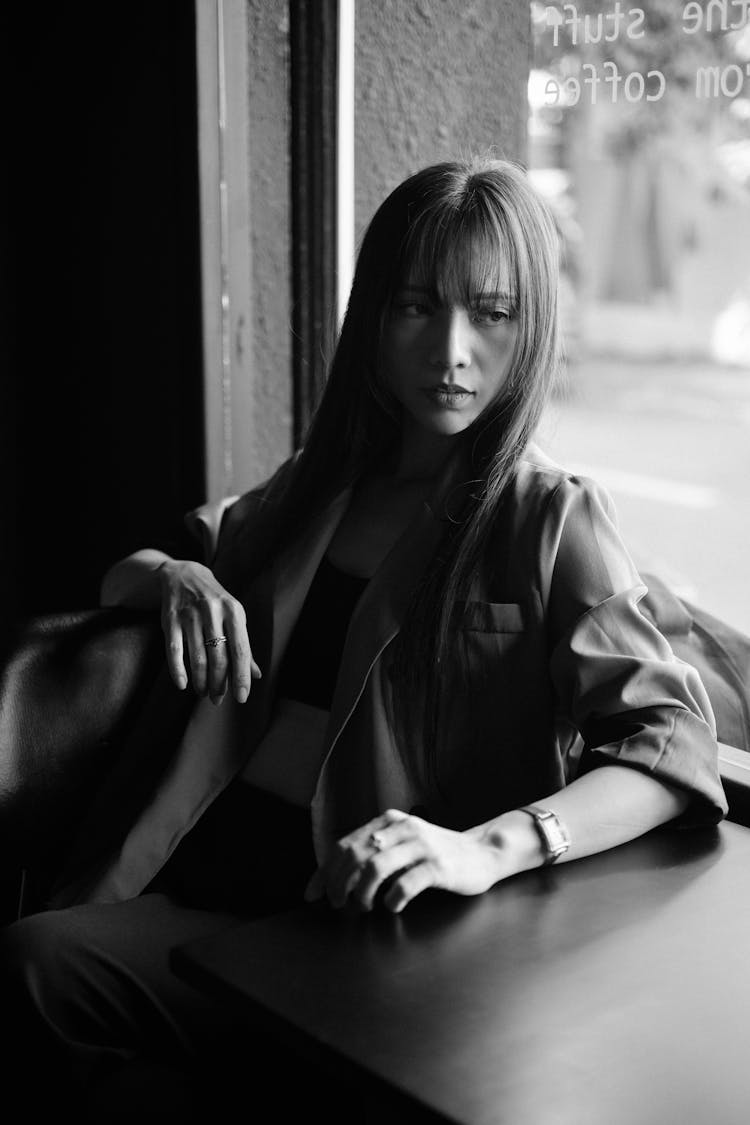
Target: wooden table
{"points": [[614, 990]]}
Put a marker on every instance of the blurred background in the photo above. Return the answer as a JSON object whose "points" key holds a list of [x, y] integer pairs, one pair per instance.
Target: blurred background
{"points": [[653, 203]]}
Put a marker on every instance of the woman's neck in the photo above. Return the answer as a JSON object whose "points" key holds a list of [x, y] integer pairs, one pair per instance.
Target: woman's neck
{"points": [[422, 455]]}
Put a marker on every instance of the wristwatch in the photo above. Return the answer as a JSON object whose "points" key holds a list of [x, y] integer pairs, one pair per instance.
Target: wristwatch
{"points": [[552, 832]]}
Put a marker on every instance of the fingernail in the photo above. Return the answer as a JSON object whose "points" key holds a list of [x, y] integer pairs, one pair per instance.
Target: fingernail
{"points": [[181, 682], [242, 694]]}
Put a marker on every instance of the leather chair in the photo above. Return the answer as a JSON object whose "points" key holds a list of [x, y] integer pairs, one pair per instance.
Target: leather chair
{"points": [[71, 683]]}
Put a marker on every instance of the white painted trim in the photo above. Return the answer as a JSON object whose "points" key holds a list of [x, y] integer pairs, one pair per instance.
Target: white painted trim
{"points": [[207, 50], [221, 50], [345, 234]]}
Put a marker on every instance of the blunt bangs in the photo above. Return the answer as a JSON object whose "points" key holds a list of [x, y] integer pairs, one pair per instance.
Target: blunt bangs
{"points": [[457, 253]]}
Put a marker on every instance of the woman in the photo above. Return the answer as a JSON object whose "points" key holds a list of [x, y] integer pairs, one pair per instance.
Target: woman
{"points": [[421, 637]]}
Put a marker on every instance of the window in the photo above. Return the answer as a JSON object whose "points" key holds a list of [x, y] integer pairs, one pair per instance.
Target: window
{"points": [[639, 135]]}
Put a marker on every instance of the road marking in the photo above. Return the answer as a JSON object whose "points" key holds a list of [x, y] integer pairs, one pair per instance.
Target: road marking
{"points": [[651, 488]]}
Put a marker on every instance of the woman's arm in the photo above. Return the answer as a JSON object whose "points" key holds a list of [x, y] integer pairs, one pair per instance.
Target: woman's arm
{"points": [[608, 806], [601, 809], [135, 581], [196, 611]]}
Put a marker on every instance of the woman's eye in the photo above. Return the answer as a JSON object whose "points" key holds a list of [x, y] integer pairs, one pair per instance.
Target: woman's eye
{"points": [[492, 315], [412, 308]]}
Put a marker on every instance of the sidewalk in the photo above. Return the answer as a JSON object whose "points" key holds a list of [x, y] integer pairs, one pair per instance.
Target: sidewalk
{"points": [[670, 440]]}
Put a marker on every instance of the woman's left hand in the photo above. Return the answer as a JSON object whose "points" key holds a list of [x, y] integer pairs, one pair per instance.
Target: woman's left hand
{"points": [[409, 855]]}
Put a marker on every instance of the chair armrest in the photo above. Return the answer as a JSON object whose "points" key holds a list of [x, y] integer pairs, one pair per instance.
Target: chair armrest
{"points": [[734, 767], [69, 684]]}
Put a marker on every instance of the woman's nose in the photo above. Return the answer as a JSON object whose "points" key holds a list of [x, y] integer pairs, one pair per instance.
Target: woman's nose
{"points": [[450, 346]]}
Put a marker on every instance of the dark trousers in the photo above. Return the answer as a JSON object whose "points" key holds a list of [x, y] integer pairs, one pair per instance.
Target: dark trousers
{"points": [[95, 1016]]}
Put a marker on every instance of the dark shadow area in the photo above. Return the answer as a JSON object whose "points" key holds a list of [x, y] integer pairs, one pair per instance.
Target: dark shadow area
{"points": [[100, 423]]}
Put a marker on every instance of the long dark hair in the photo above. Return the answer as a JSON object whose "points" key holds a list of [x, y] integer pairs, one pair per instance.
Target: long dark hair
{"points": [[456, 226]]}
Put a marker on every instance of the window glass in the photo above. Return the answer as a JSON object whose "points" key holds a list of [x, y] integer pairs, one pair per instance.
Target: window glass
{"points": [[639, 135]]}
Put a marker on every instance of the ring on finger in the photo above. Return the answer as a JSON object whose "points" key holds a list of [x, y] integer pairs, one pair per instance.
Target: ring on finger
{"points": [[214, 642]]}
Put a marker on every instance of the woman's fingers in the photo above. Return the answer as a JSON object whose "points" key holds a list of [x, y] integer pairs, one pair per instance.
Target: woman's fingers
{"points": [[408, 885], [206, 633], [222, 634], [381, 868], [193, 632], [175, 648], [215, 644], [367, 857], [243, 668]]}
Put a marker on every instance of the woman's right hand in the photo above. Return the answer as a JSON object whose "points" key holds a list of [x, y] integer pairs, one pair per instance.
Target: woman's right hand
{"points": [[195, 610]]}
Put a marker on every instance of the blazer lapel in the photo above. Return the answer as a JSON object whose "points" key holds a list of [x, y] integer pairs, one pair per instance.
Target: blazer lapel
{"points": [[292, 573], [380, 611]]}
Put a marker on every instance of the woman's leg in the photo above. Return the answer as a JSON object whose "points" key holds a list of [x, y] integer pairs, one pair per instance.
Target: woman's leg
{"points": [[88, 997], [91, 990], [99, 1029]]}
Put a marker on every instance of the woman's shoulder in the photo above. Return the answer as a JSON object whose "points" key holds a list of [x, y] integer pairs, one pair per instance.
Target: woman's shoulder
{"points": [[564, 524], [222, 519], [542, 484]]}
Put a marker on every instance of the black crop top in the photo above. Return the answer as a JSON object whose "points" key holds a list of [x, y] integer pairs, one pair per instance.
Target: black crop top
{"points": [[311, 662]]}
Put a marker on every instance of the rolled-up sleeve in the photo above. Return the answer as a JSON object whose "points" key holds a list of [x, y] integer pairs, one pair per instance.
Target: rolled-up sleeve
{"points": [[616, 678]]}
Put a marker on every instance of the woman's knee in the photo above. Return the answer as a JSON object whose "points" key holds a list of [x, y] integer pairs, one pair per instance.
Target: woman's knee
{"points": [[40, 960], [40, 947]]}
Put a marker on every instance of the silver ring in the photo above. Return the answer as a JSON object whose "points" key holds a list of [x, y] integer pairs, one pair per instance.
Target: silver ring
{"points": [[214, 642], [376, 841]]}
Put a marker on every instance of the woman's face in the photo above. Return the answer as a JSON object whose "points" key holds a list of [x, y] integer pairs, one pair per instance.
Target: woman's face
{"points": [[445, 362]]}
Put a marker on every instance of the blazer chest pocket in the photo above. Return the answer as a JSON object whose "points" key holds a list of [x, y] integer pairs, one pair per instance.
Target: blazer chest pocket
{"points": [[492, 617]]}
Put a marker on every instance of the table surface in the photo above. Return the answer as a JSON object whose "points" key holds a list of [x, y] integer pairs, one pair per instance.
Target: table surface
{"points": [[613, 990]]}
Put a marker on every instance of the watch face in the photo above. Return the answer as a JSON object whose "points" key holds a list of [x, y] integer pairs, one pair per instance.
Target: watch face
{"points": [[555, 836]]}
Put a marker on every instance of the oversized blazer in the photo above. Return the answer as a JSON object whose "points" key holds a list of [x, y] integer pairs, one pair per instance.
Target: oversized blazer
{"points": [[563, 672]]}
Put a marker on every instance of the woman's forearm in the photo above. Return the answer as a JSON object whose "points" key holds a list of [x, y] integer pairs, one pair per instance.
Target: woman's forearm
{"points": [[134, 581], [608, 806]]}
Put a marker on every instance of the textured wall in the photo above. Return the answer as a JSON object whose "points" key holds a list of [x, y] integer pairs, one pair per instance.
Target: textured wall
{"points": [[270, 221], [436, 79]]}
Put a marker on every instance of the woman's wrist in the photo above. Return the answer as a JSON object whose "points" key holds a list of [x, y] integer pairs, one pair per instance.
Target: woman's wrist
{"points": [[513, 843], [135, 581]]}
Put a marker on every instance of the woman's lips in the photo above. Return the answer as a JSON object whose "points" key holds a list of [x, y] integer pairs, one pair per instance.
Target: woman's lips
{"points": [[453, 396]]}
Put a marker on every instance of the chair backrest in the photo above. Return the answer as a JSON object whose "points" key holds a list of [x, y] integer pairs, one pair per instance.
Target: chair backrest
{"points": [[719, 652], [69, 685]]}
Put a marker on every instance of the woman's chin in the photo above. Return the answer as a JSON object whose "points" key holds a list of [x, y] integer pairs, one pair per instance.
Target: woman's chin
{"points": [[445, 423]]}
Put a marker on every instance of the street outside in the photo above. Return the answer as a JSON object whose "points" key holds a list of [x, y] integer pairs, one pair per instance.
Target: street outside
{"points": [[670, 440], [652, 200]]}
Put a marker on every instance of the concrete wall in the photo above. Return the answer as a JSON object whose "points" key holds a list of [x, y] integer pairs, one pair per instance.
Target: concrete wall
{"points": [[435, 80], [270, 427]]}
